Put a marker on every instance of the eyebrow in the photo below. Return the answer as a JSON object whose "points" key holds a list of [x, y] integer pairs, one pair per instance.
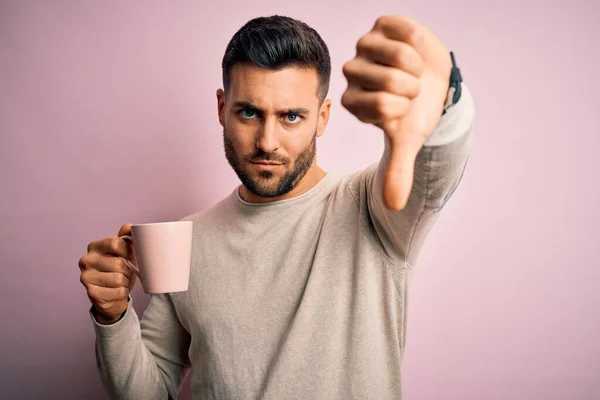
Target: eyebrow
{"points": [[248, 105]]}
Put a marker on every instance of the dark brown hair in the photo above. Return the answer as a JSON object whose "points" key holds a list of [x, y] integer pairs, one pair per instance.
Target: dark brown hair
{"points": [[278, 42]]}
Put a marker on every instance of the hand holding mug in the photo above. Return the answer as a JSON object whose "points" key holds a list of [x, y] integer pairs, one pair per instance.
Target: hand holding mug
{"points": [[107, 277], [158, 253]]}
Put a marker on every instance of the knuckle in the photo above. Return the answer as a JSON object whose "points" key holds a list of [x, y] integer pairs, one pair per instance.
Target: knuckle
{"points": [[121, 280], [392, 81], [84, 277], [362, 43], [346, 99], [380, 105], [405, 21], [348, 69], [113, 244], [381, 21], [118, 265], [121, 293], [83, 262], [398, 54], [92, 294], [94, 245], [345, 69], [363, 118], [414, 34], [88, 261]]}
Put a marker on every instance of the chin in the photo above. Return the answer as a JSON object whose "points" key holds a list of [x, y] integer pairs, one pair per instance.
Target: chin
{"points": [[268, 187]]}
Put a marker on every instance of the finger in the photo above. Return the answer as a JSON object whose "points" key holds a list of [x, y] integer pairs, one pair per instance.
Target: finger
{"points": [[112, 245], [402, 28], [399, 175], [372, 76], [103, 263], [104, 279], [115, 246], [100, 294], [374, 107], [393, 53]]}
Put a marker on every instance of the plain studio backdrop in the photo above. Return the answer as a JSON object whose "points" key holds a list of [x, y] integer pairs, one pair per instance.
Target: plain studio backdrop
{"points": [[108, 115]]}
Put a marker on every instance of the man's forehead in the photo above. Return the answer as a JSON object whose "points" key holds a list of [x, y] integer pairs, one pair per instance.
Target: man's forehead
{"points": [[269, 88]]}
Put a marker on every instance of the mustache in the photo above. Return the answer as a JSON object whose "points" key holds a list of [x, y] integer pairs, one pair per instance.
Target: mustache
{"points": [[259, 155], [263, 156]]}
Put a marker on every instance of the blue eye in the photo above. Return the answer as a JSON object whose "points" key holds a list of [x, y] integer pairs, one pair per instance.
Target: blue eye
{"points": [[248, 114], [293, 118]]}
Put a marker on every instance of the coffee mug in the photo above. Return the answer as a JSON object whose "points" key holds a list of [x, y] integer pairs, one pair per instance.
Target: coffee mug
{"points": [[164, 255]]}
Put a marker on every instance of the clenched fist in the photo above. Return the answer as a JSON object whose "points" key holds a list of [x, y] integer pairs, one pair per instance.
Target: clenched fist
{"points": [[399, 81], [106, 277]]}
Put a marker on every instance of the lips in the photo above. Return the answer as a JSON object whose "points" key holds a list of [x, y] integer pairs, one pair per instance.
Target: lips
{"points": [[268, 163]]}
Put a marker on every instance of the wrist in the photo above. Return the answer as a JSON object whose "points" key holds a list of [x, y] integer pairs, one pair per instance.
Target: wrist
{"points": [[106, 319]]}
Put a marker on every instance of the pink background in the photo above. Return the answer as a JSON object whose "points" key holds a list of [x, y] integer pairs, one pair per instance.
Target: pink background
{"points": [[108, 115]]}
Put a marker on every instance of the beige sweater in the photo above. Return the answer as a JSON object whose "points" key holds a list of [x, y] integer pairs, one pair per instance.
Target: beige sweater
{"points": [[304, 298]]}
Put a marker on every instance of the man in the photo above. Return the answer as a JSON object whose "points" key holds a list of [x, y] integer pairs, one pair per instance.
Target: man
{"points": [[299, 280]]}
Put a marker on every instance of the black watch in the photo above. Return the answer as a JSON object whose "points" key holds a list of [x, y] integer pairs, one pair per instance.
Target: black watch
{"points": [[454, 90]]}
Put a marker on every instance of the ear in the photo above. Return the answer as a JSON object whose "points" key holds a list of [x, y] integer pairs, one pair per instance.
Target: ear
{"points": [[221, 106], [324, 112]]}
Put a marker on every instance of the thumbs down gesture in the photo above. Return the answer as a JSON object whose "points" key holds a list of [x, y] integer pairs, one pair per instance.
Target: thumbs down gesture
{"points": [[399, 81]]}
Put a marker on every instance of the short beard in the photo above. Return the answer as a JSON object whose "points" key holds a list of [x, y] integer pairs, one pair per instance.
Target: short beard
{"points": [[286, 183]]}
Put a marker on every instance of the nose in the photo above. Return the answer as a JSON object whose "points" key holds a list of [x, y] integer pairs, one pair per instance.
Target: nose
{"points": [[267, 139]]}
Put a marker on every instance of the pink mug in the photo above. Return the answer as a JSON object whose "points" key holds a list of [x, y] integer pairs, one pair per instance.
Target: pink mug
{"points": [[164, 255]]}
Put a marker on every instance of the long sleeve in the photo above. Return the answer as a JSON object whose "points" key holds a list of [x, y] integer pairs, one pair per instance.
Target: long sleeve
{"points": [[146, 360], [438, 171]]}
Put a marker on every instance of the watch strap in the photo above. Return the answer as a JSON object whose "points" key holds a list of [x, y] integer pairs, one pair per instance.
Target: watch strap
{"points": [[454, 91]]}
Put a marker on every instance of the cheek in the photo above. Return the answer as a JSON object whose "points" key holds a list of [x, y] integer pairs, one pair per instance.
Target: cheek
{"points": [[240, 148], [298, 142], [240, 137]]}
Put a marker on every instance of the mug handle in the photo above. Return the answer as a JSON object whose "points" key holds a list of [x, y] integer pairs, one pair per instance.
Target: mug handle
{"points": [[129, 264]]}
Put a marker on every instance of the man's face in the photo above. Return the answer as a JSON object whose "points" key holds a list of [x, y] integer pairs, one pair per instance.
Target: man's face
{"points": [[271, 119]]}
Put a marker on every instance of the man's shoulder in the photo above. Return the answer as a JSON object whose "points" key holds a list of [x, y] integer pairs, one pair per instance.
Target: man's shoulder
{"points": [[354, 183], [214, 212]]}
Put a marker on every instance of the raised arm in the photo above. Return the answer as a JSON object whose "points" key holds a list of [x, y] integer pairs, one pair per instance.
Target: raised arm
{"points": [[438, 170], [399, 81]]}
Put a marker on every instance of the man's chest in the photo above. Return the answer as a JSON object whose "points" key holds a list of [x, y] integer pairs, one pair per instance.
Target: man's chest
{"points": [[265, 307]]}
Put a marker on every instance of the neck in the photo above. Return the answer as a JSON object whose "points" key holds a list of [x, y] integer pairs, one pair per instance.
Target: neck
{"points": [[308, 181]]}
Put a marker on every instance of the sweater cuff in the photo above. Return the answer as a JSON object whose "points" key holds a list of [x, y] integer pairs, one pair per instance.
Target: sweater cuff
{"points": [[108, 331], [456, 122]]}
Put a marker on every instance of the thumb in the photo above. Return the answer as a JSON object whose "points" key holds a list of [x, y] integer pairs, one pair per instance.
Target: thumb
{"points": [[125, 230], [398, 179]]}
